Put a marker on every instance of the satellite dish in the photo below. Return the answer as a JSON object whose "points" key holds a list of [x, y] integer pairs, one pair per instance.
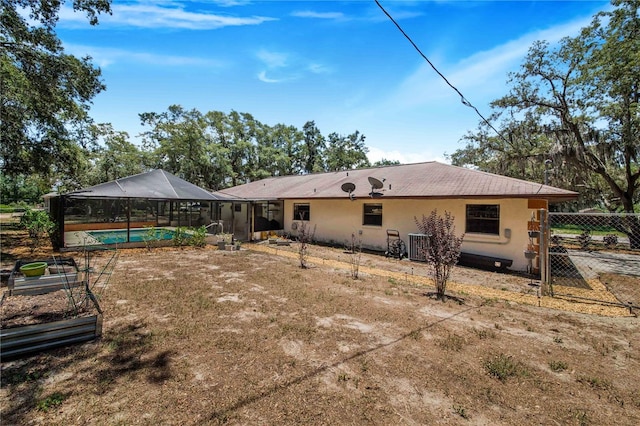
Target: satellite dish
{"points": [[348, 187], [375, 183]]}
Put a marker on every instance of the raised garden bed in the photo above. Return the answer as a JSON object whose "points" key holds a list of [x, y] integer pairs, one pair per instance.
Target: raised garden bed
{"points": [[60, 274], [47, 311], [19, 341]]}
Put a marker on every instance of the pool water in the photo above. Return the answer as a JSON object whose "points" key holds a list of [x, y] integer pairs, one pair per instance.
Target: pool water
{"points": [[135, 235]]}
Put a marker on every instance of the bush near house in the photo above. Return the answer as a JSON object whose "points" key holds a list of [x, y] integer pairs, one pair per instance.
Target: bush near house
{"points": [[442, 247]]}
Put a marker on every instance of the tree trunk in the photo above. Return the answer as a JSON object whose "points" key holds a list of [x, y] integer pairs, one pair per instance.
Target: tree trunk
{"points": [[634, 232]]}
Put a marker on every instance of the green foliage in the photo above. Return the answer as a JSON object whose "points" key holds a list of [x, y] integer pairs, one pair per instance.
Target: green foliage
{"points": [[180, 237], [52, 401], [46, 93], [344, 153], [311, 150], [502, 367], [557, 366], [21, 188], [441, 248], [576, 104], [115, 157], [198, 237], [385, 162], [39, 225], [150, 237], [217, 150]]}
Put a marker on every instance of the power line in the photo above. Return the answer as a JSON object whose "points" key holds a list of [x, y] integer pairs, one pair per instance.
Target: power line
{"points": [[462, 98]]}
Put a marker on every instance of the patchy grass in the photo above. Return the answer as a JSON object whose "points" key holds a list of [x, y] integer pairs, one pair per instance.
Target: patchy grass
{"points": [[201, 336], [503, 366], [557, 366]]}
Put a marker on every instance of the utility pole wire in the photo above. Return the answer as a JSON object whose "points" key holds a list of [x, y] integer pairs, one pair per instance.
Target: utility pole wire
{"points": [[462, 98]]}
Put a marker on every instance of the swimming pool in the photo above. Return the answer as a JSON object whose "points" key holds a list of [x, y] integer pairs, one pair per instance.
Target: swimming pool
{"points": [[135, 235]]}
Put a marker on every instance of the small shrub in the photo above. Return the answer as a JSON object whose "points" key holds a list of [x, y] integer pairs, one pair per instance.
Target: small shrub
{"points": [[461, 411], [581, 416], [452, 342], [54, 400], [557, 366], [415, 334], [503, 366], [198, 237], [39, 225], [594, 382], [484, 333], [305, 236], [150, 237], [180, 237], [354, 248], [441, 249], [585, 239], [557, 339], [610, 241]]}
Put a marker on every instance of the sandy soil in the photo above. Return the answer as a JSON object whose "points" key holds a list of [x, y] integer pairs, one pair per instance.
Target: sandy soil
{"points": [[211, 337]]}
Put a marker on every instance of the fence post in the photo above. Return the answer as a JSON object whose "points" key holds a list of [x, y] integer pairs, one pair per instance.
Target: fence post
{"points": [[544, 254]]}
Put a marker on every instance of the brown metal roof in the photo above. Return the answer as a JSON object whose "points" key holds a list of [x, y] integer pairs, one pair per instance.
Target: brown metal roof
{"points": [[419, 180]]}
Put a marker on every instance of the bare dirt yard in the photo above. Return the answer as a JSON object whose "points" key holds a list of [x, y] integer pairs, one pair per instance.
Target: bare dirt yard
{"points": [[202, 336]]}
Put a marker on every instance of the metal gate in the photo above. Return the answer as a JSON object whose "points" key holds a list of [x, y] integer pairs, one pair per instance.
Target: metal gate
{"points": [[591, 257]]}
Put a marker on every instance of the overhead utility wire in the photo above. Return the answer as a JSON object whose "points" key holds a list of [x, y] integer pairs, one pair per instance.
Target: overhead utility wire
{"points": [[462, 98]]}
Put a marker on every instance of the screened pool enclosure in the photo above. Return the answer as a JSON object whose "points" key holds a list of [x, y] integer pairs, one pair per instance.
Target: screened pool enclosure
{"points": [[155, 199]]}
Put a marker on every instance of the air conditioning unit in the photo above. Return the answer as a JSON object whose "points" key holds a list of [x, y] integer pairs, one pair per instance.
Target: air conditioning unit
{"points": [[417, 242]]}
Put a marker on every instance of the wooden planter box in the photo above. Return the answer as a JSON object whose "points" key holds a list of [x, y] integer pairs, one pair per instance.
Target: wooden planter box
{"points": [[19, 341]]}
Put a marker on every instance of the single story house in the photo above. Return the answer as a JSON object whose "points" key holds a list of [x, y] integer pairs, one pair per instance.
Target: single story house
{"points": [[495, 212]]}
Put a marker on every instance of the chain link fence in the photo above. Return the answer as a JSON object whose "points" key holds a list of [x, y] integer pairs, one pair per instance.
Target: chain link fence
{"points": [[595, 256]]}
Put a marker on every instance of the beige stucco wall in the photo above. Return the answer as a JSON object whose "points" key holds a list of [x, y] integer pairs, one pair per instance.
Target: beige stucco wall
{"points": [[336, 220]]}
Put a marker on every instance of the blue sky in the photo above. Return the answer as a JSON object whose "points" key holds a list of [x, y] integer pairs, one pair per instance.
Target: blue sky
{"points": [[342, 64]]}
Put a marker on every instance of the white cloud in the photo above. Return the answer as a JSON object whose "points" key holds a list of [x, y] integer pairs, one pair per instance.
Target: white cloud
{"points": [[106, 56], [377, 154], [273, 59], [160, 15], [289, 66], [318, 69], [262, 76], [477, 76], [318, 15]]}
